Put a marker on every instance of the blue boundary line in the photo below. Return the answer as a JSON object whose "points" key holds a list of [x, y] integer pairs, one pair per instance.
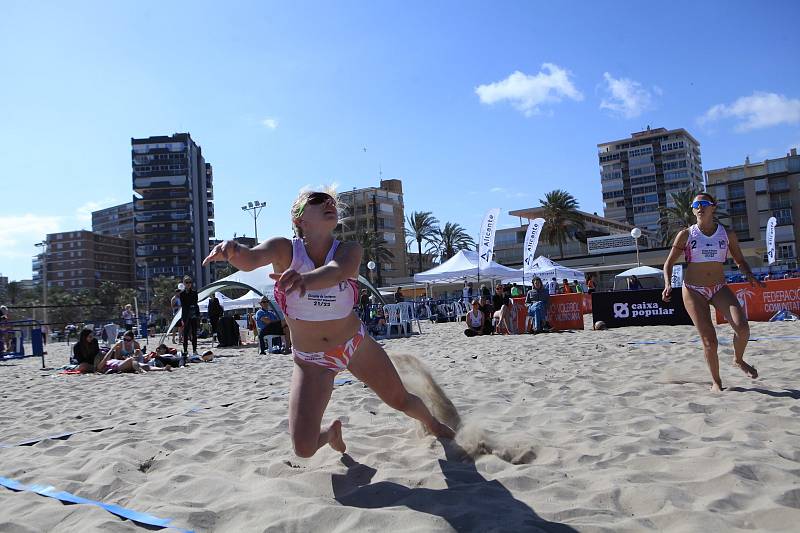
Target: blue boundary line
{"points": [[66, 497]]}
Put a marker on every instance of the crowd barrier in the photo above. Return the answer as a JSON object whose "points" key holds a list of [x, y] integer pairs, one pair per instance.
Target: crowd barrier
{"points": [[639, 308], [564, 312], [761, 303]]}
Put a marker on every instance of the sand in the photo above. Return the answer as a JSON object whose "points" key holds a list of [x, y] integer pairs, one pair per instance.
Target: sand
{"points": [[569, 431]]}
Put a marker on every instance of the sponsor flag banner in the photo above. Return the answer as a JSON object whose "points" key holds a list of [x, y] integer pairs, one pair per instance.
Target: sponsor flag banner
{"points": [[677, 276], [770, 237], [761, 303], [531, 242], [486, 243]]}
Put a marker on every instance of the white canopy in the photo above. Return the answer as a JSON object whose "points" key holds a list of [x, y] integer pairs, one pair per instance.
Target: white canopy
{"points": [[251, 299], [640, 272], [227, 303], [546, 269], [463, 265]]}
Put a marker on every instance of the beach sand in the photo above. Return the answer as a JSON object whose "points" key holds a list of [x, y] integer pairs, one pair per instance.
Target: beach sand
{"points": [[569, 431]]}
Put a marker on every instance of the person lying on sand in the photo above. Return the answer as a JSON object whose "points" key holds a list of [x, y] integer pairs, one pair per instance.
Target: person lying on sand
{"points": [[316, 291]]}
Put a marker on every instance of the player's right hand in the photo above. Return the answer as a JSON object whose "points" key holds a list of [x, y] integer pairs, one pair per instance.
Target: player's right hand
{"points": [[221, 252]]}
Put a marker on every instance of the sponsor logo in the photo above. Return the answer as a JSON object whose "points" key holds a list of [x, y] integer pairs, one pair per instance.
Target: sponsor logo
{"points": [[644, 309], [744, 296]]}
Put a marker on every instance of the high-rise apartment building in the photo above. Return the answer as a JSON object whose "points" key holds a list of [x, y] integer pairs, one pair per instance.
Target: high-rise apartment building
{"points": [[77, 260], [750, 194], [173, 208], [381, 210], [639, 174], [116, 221]]}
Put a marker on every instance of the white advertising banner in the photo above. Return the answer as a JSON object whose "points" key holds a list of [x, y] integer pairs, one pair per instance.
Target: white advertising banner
{"points": [[771, 240], [531, 242], [486, 243]]}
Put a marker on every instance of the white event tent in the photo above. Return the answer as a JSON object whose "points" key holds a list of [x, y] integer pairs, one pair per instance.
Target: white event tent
{"points": [[546, 269], [641, 272], [463, 265]]}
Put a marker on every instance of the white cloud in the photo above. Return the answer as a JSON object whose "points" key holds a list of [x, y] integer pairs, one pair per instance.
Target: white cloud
{"points": [[760, 110], [270, 123], [21, 232], [528, 93], [497, 189], [84, 212], [626, 97]]}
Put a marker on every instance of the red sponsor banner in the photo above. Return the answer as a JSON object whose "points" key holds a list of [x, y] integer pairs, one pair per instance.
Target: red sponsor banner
{"points": [[587, 304], [761, 303], [564, 312]]}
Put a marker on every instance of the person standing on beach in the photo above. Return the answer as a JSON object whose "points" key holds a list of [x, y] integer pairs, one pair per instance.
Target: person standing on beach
{"points": [[316, 291], [706, 246], [190, 316]]}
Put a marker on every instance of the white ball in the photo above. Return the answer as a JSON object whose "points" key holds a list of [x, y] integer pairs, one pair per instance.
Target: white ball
{"points": [[371, 265], [636, 233], [181, 286]]}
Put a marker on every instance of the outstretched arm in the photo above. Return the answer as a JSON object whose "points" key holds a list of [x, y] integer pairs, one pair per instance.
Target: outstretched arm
{"points": [[275, 250], [678, 246], [345, 264]]}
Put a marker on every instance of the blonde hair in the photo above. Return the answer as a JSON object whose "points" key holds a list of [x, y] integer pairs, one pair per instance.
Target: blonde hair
{"points": [[296, 211]]}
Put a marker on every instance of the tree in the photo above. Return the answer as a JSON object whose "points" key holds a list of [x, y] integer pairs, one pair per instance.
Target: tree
{"points": [[163, 291], [451, 239], [422, 226], [374, 250], [562, 218]]}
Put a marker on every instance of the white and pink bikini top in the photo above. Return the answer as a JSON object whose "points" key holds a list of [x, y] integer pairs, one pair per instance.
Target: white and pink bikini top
{"points": [[321, 304], [701, 248]]}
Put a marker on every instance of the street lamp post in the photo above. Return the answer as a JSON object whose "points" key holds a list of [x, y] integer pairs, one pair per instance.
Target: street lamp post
{"points": [[43, 245], [255, 209], [636, 233]]}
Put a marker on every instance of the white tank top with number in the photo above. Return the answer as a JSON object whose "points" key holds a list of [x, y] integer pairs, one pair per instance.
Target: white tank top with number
{"points": [[701, 248], [330, 303]]}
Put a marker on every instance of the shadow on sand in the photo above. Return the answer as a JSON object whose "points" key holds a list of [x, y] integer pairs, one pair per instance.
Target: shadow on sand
{"points": [[785, 393], [469, 503]]}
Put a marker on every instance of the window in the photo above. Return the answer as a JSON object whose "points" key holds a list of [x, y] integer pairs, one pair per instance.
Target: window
{"points": [[736, 190], [785, 250]]}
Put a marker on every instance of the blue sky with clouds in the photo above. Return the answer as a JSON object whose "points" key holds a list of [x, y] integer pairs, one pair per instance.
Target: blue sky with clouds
{"points": [[472, 104]]}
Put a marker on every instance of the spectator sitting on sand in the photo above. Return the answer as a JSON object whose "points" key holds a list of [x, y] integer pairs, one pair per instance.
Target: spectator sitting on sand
{"points": [[475, 320], [86, 351], [127, 347]]}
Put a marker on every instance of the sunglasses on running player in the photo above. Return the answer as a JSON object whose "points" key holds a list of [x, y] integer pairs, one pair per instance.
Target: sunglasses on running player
{"points": [[697, 204]]}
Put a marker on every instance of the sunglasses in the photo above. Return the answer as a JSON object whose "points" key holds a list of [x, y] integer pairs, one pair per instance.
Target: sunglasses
{"points": [[701, 203], [316, 198]]}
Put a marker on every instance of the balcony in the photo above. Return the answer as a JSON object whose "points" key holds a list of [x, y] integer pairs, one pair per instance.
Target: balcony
{"points": [[161, 182], [182, 194], [154, 229], [161, 217]]}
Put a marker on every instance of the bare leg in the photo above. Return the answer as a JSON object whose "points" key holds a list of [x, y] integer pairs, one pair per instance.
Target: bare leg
{"points": [[727, 304], [698, 309], [371, 365], [309, 395]]}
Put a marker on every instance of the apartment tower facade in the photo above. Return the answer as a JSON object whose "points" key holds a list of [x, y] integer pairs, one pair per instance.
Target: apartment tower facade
{"points": [[173, 208], [638, 174]]}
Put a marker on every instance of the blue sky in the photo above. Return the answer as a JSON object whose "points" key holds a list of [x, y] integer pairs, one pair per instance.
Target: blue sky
{"points": [[472, 104]]}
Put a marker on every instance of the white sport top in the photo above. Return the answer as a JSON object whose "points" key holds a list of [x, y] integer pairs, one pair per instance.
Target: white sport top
{"points": [[321, 304], [703, 249]]}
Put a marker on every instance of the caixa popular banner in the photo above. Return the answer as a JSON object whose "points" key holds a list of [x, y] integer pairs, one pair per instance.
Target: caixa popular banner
{"points": [[639, 308], [761, 303]]}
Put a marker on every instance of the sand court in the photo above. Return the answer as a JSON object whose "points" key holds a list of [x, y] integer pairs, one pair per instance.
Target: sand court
{"points": [[588, 431]]}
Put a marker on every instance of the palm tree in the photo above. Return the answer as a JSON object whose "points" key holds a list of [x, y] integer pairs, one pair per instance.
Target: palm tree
{"points": [[421, 226], [374, 250], [562, 218], [453, 238], [680, 216]]}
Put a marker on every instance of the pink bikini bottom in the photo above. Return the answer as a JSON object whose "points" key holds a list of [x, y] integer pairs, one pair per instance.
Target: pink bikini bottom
{"points": [[706, 292]]}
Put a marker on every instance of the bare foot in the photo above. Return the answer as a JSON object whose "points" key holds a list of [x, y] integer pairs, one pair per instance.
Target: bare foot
{"points": [[335, 437], [716, 387], [750, 371], [441, 430]]}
